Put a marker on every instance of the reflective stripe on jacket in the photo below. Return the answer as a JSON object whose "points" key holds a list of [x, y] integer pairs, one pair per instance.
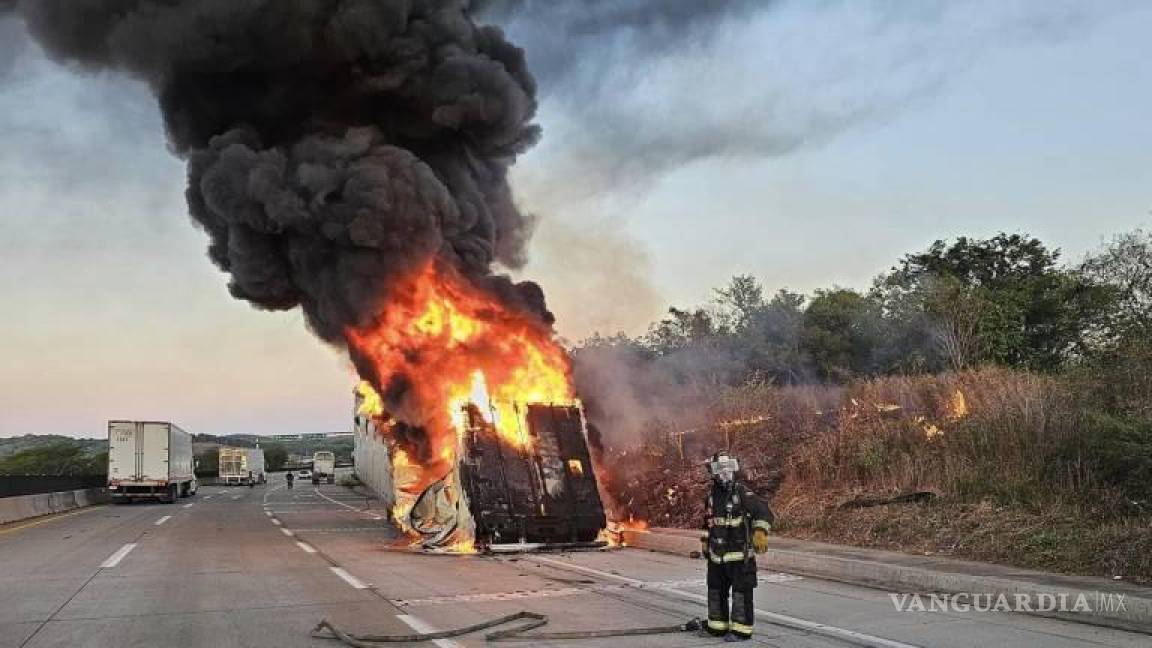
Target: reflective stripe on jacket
{"points": [[731, 514]]}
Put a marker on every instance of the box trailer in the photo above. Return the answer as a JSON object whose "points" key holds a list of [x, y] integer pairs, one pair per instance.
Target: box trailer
{"points": [[323, 467], [242, 466], [149, 460]]}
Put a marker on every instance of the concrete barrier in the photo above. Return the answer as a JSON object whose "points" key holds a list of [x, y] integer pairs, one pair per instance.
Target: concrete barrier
{"points": [[23, 507], [1114, 604]]}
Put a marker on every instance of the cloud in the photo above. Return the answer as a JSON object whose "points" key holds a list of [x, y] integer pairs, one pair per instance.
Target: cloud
{"points": [[636, 88]]}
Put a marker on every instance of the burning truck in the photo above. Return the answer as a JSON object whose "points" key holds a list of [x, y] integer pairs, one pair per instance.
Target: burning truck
{"points": [[478, 439], [539, 491]]}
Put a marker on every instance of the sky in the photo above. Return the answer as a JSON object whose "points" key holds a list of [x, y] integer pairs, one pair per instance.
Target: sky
{"points": [[807, 143]]}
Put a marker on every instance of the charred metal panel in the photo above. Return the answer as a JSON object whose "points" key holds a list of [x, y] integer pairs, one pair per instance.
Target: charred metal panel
{"points": [[543, 492]]}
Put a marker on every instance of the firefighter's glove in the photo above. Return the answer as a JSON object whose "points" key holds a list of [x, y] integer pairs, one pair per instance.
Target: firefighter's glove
{"points": [[760, 541]]}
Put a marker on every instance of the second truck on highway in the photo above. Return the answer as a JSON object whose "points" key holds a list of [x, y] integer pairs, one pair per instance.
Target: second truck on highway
{"points": [[149, 460], [323, 467], [244, 466]]}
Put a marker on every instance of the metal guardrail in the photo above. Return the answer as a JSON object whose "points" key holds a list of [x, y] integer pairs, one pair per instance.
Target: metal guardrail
{"points": [[17, 485]]}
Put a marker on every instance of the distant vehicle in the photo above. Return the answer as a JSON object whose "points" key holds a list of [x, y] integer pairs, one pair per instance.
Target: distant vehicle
{"points": [[243, 466], [323, 467], [303, 473], [149, 460]]}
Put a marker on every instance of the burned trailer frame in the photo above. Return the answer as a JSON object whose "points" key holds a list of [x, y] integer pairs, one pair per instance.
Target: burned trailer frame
{"points": [[542, 492], [537, 491]]}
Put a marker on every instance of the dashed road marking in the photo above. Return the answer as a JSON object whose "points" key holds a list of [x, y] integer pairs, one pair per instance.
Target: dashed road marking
{"points": [[268, 513], [422, 627], [163, 520], [115, 558], [349, 578], [287, 532], [188, 506], [276, 522], [306, 547]]}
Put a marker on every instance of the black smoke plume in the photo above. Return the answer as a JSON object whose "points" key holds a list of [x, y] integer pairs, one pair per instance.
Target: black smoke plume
{"points": [[331, 144]]}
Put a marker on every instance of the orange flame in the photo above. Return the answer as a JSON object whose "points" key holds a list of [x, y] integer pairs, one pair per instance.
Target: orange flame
{"points": [[456, 346], [614, 534]]}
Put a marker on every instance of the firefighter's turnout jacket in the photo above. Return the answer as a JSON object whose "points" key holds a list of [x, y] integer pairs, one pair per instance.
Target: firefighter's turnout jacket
{"points": [[732, 514]]}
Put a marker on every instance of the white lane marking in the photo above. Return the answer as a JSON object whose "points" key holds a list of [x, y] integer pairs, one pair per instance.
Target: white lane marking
{"points": [[268, 513], [350, 508], [783, 619], [287, 532], [348, 578], [306, 548], [422, 627], [236, 497], [187, 506], [115, 558], [163, 520], [207, 497], [270, 491], [276, 522]]}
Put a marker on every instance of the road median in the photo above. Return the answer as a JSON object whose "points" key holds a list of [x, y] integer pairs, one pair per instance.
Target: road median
{"points": [[958, 584], [25, 507]]}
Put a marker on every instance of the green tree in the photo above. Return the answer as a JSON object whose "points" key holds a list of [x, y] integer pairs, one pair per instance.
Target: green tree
{"points": [[839, 334], [62, 458], [1125, 265], [681, 329], [275, 456], [1003, 299], [739, 301], [770, 340]]}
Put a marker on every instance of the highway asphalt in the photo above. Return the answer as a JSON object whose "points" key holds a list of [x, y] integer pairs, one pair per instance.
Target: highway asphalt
{"points": [[260, 567]]}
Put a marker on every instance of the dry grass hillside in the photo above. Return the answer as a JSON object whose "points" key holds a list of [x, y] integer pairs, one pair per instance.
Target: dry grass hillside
{"points": [[991, 464]]}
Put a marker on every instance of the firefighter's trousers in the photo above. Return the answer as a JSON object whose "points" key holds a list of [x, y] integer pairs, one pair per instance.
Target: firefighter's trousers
{"points": [[739, 579]]}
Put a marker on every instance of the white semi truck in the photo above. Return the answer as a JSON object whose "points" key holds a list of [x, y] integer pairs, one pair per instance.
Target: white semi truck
{"points": [[149, 460], [244, 466], [323, 467]]}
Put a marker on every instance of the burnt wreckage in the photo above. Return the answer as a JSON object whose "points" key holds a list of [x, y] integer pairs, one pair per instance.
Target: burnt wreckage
{"points": [[541, 492], [545, 494]]}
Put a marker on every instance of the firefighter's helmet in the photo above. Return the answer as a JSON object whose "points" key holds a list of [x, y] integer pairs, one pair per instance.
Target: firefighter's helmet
{"points": [[722, 467]]}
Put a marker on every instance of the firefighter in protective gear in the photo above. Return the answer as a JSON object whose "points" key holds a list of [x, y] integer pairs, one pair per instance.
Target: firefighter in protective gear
{"points": [[737, 523]]}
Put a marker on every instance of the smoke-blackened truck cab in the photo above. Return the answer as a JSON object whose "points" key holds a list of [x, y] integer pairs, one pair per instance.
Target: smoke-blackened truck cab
{"points": [[149, 460]]}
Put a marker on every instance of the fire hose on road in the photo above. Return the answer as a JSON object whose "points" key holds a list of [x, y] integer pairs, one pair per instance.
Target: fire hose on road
{"points": [[325, 630]]}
